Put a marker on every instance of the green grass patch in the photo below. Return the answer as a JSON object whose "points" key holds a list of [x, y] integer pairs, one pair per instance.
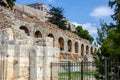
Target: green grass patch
{"points": [[76, 75]]}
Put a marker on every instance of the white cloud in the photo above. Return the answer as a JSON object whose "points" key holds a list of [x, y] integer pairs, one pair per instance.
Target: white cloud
{"points": [[101, 11], [76, 24], [88, 26]]}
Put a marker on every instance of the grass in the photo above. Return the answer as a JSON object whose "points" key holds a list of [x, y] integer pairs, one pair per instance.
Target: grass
{"points": [[75, 75]]}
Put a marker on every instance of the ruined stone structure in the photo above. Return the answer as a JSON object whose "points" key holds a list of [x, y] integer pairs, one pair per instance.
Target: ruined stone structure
{"points": [[39, 6], [28, 46]]}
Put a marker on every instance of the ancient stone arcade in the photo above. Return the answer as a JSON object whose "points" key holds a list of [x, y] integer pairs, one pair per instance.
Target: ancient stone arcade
{"points": [[28, 46]]}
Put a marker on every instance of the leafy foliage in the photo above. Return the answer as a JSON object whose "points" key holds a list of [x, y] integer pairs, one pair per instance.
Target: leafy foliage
{"points": [[83, 33], [109, 35], [57, 17], [106, 53], [116, 5], [109, 41], [7, 3]]}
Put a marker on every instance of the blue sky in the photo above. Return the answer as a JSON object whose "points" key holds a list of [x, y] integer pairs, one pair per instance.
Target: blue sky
{"points": [[86, 13]]}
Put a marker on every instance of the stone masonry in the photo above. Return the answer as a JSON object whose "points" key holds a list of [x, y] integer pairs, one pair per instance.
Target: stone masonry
{"points": [[28, 46]]}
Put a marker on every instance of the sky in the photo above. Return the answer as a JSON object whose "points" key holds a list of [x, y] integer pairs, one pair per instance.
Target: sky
{"points": [[87, 13]]}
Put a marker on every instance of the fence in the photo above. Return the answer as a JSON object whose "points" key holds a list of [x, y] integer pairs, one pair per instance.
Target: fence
{"points": [[107, 70]]}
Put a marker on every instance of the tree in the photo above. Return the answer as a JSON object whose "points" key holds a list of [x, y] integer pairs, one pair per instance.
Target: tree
{"points": [[116, 32], [7, 3], [83, 33], [57, 17], [108, 54], [109, 35], [109, 41], [116, 5]]}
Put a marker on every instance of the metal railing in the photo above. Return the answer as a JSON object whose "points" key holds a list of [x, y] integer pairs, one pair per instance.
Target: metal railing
{"points": [[107, 70]]}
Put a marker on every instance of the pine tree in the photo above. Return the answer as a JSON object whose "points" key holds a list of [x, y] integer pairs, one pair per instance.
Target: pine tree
{"points": [[57, 17]]}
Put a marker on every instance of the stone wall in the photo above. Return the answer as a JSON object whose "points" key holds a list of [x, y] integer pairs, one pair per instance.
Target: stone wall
{"points": [[26, 61], [26, 26], [28, 46], [41, 15]]}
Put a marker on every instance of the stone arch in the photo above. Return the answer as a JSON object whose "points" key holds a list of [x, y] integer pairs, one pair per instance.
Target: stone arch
{"points": [[61, 43], [95, 50], [38, 34], [82, 50], [24, 28], [91, 50], [52, 36], [69, 43], [76, 47], [87, 49]]}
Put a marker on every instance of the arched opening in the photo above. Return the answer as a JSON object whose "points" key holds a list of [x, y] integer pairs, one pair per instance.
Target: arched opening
{"points": [[82, 50], [91, 50], [51, 36], [87, 49], [69, 43], [95, 50], [25, 29], [76, 47], [61, 43], [38, 34]]}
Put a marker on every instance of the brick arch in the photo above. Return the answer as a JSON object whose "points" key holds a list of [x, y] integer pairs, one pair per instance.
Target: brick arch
{"points": [[76, 47], [82, 50], [69, 44], [87, 49], [25, 29], [37, 34], [61, 43]]}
